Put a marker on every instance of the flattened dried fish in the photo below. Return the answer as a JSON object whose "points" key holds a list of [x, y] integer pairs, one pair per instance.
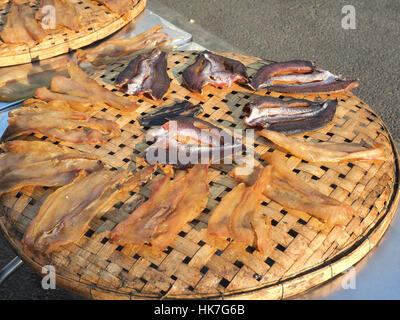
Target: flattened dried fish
{"points": [[66, 14], [326, 151], [279, 68], [292, 192], [40, 163], [65, 215], [70, 127], [239, 215], [139, 227], [162, 115], [299, 76], [117, 6], [146, 74], [186, 141], [215, 70], [81, 89], [193, 202], [21, 26], [81, 85], [289, 116], [113, 49]]}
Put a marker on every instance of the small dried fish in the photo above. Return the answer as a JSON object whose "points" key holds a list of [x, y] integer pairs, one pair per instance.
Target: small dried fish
{"points": [[146, 74], [289, 116], [161, 116], [299, 76], [215, 70]]}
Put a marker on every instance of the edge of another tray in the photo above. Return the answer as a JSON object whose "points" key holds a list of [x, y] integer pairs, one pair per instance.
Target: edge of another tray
{"points": [[32, 54]]}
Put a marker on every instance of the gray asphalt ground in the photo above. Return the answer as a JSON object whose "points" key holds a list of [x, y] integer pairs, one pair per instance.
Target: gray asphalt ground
{"points": [[280, 30]]}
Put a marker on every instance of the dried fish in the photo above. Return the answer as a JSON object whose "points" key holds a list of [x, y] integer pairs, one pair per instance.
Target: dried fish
{"points": [[215, 70], [161, 116], [326, 151], [173, 202], [113, 49], [299, 76], [65, 14], [289, 116], [21, 26], [65, 214], [146, 74], [290, 191], [41, 163], [60, 124]]}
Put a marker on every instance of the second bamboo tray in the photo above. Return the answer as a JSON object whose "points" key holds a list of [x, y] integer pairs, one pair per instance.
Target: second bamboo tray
{"points": [[303, 252], [98, 23]]}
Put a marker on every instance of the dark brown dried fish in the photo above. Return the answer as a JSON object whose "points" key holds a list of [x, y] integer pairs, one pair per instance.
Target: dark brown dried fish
{"points": [[146, 74], [161, 116], [215, 70], [289, 116], [299, 76]]}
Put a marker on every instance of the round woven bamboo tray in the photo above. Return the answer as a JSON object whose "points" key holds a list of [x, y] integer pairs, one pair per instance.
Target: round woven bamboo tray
{"points": [[98, 22], [303, 252]]}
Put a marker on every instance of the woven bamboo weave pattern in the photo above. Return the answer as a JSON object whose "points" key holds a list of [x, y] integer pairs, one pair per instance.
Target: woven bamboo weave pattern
{"points": [[98, 22], [303, 251]]}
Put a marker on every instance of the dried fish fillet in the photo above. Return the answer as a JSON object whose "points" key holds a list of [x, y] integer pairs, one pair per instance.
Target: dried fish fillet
{"points": [[292, 192], [325, 151], [66, 14], [219, 222], [172, 204], [117, 6], [239, 215], [65, 215], [139, 227], [70, 127], [81, 85], [193, 202], [113, 49], [162, 115], [40, 163], [146, 74], [21, 26]]}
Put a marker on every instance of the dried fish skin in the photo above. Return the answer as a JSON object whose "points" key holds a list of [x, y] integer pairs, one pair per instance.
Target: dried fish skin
{"points": [[164, 114], [66, 14], [326, 151], [289, 116], [290, 191], [41, 163], [146, 74], [72, 128], [21, 26], [139, 227], [193, 202], [113, 49], [212, 69], [64, 216]]}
